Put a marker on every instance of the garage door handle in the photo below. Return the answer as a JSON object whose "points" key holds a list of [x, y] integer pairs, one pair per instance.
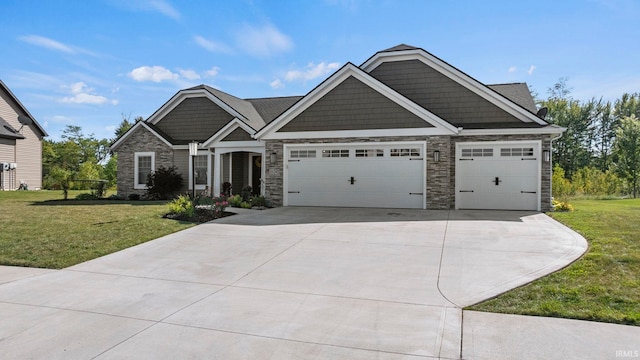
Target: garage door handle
{"points": [[293, 192], [416, 158], [528, 192], [293, 160], [465, 159], [466, 190], [416, 193], [528, 159], [352, 180]]}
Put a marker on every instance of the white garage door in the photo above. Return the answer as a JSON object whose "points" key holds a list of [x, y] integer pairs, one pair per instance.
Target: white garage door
{"points": [[363, 175], [498, 176]]}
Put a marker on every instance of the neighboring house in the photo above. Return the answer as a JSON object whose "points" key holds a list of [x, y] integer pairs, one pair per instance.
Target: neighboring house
{"points": [[403, 130], [20, 144]]}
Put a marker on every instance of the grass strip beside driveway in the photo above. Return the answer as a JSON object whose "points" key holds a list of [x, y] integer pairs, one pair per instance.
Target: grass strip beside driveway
{"points": [[603, 285], [40, 230]]}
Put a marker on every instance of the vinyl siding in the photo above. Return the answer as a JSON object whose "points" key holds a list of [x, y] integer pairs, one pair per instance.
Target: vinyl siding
{"points": [[194, 119], [439, 94], [238, 135], [28, 151], [352, 105]]}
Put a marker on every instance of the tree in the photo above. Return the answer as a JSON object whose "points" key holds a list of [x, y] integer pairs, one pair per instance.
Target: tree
{"points": [[627, 145], [124, 126]]}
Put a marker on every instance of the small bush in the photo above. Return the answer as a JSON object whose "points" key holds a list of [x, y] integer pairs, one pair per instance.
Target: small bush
{"points": [[182, 207], [235, 200], [164, 183], [115, 197], [245, 205], [134, 197], [561, 205], [259, 201], [247, 193], [87, 196]]}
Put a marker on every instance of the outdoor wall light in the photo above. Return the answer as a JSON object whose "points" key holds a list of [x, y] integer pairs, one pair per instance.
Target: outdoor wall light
{"points": [[546, 155], [272, 157], [193, 151], [436, 156]]}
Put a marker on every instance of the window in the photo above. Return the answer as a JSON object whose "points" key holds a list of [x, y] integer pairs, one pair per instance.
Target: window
{"points": [[200, 165], [477, 152], [516, 152], [405, 152], [297, 154], [369, 153], [144, 165], [335, 153]]}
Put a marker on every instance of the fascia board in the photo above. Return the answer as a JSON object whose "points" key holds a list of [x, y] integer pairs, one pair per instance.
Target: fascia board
{"points": [[432, 131], [526, 131], [228, 129], [132, 130], [186, 94], [456, 75], [336, 79]]}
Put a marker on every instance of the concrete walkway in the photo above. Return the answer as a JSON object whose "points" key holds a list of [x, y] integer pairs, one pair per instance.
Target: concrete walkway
{"points": [[307, 283]]}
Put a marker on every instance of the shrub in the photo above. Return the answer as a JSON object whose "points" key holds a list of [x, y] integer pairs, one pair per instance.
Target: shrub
{"points": [[561, 205], [134, 197], [259, 200], [226, 188], [163, 183], [87, 196], [182, 207], [245, 205], [235, 200], [116, 197], [247, 193]]}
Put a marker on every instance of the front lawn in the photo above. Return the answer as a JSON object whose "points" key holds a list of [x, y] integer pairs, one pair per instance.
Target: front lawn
{"points": [[38, 229], [604, 285]]}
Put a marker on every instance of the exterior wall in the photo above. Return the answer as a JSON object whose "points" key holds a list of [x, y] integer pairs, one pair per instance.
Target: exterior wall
{"points": [[7, 155], [194, 119], [140, 141], [440, 177], [353, 105], [238, 135], [439, 94], [28, 151]]}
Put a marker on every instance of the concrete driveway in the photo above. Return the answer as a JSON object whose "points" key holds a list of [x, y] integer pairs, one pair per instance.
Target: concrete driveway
{"points": [[290, 283]]}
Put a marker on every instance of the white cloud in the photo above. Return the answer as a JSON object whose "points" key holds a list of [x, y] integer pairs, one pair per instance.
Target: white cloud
{"points": [[152, 73], [262, 41], [189, 74], [531, 69], [512, 69], [47, 43], [61, 119], [212, 72], [164, 8], [82, 94], [276, 84], [212, 46], [311, 71]]}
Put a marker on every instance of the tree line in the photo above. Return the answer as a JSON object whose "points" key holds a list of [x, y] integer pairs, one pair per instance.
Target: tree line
{"points": [[599, 153]]}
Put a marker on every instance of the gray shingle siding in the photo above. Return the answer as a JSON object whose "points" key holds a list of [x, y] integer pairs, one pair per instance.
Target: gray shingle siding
{"points": [[238, 135], [352, 105], [194, 119], [439, 94]]}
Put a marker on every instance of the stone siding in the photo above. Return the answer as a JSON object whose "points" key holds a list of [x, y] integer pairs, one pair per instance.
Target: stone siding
{"points": [[140, 141]]}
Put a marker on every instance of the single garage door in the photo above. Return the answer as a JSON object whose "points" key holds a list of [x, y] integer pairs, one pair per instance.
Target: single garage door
{"points": [[502, 176], [363, 175]]}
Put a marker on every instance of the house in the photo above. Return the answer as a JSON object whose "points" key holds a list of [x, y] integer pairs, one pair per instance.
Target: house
{"points": [[403, 130], [20, 144]]}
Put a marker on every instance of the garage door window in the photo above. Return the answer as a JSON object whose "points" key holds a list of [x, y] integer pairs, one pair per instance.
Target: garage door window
{"points": [[335, 153], [297, 154], [516, 152], [405, 152], [369, 153], [477, 152]]}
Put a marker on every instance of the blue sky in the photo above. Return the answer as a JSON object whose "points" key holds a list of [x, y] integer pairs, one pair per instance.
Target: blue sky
{"points": [[87, 63]]}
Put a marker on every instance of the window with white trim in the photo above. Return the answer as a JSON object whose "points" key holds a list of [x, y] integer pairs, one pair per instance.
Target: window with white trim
{"points": [[297, 154], [516, 152], [335, 153], [405, 152], [144, 164], [369, 152], [477, 152], [201, 169]]}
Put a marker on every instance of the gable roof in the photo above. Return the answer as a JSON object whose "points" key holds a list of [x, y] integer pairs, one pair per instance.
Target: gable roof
{"points": [[23, 108], [518, 93], [270, 108], [405, 52]]}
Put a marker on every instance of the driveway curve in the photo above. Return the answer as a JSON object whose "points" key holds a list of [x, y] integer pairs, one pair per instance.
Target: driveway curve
{"points": [[285, 283]]}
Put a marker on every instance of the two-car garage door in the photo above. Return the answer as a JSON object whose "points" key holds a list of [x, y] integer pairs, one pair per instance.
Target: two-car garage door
{"points": [[355, 175], [502, 176]]}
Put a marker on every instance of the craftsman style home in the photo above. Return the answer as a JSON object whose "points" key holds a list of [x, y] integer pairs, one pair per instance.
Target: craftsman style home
{"points": [[403, 130], [20, 144]]}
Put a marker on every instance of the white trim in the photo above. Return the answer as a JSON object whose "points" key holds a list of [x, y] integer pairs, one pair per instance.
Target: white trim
{"points": [[455, 75], [132, 130], [252, 156], [430, 131], [269, 131], [513, 131], [136, 182], [187, 94], [208, 184], [538, 155], [232, 125], [287, 147]]}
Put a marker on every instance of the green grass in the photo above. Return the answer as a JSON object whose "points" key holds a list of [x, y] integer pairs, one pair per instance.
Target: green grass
{"points": [[38, 229], [603, 285]]}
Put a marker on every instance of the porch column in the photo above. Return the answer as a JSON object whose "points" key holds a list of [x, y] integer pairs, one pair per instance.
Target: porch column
{"points": [[217, 173], [263, 171]]}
